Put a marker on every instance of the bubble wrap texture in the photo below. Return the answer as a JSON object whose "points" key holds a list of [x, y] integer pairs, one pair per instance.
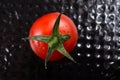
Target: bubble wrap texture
{"points": [[97, 51]]}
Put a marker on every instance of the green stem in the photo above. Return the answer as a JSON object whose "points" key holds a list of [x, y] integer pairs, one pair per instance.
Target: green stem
{"points": [[56, 26]]}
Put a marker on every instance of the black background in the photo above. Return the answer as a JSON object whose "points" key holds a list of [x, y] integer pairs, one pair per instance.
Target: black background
{"points": [[17, 60]]}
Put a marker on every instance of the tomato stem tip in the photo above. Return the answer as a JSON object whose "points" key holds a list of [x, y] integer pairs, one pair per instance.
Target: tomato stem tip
{"points": [[24, 39]]}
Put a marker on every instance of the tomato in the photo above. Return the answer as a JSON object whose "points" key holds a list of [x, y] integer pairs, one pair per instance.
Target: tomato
{"points": [[44, 26]]}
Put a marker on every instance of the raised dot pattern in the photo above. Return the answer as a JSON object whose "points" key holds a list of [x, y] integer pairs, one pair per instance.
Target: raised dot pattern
{"points": [[97, 50]]}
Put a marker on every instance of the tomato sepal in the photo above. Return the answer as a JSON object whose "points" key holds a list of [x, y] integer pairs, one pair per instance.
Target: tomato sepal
{"points": [[38, 38], [50, 51]]}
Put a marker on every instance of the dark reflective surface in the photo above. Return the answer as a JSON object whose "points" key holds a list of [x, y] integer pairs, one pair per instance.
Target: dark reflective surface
{"points": [[97, 51]]}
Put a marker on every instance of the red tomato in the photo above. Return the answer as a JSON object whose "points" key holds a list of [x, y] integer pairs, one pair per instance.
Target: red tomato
{"points": [[44, 26]]}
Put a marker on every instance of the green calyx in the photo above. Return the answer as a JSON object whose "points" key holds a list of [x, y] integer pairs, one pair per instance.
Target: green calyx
{"points": [[55, 42]]}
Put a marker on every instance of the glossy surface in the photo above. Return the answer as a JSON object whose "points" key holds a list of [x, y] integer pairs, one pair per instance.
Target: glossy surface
{"points": [[44, 26], [97, 51]]}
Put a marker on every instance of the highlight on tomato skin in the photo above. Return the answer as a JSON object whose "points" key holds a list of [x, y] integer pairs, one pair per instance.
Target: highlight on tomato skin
{"points": [[43, 26]]}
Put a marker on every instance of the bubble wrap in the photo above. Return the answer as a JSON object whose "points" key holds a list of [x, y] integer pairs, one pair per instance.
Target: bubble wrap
{"points": [[97, 52]]}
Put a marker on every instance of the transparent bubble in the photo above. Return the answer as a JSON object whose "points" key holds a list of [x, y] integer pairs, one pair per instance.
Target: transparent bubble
{"points": [[97, 65], [10, 54], [88, 55], [91, 3], [99, 18], [97, 27], [88, 45], [118, 43], [10, 15], [79, 45], [89, 28], [92, 16], [115, 38], [100, 8], [116, 30], [93, 11], [71, 9], [97, 46], [88, 64], [107, 56], [17, 15], [97, 55], [88, 37], [7, 50], [117, 57], [12, 45], [75, 16], [82, 33], [79, 54], [111, 17], [5, 58], [107, 38], [20, 46], [107, 47], [66, 7], [80, 18], [118, 48], [79, 27], [80, 2], [111, 63]]}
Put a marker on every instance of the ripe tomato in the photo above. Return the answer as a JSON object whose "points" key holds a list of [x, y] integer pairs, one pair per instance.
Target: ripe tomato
{"points": [[44, 26]]}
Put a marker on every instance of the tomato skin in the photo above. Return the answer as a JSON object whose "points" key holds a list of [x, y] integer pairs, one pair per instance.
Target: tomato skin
{"points": [[44, 26]]}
